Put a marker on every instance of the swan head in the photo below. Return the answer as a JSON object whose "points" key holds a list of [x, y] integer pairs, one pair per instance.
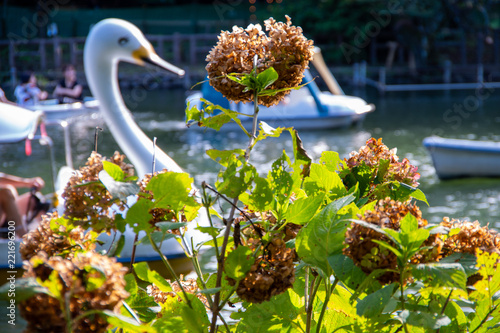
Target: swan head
{"points": [[116, 40]]}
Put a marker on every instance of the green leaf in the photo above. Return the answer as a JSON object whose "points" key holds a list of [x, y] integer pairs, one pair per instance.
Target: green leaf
{"points": [[126, 323], [217, 116], [236, 178], [331, 160], [118, 189], [193, 114], [157, 236], [408, 224], [172, 190], [419, 195], [281, 179], [113, 170], [441, 274], [261, 197], [212, 231], [373, 304], [267, 131], [116, 247], [138, 216], [143, 305], [302, 210], [301, 156], [383, 166], [458, 319], [143, 272], [490, 277], [266, 78], [194, 316], [389, 247], [322, 179], [467, 260], [427, 320], [131, 284], [346, 271], [21, 289], [280, 314], [238, 262], [323, 236], [223, 157], [167, 226]]}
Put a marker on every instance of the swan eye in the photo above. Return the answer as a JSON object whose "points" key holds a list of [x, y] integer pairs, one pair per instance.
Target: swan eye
{"points": [[122, 41]]}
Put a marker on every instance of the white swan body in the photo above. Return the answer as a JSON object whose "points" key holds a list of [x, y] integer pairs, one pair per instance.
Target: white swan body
{"points": [[111, 41]]}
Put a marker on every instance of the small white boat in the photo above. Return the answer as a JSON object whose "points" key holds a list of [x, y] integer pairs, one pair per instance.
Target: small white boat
{"points": [[308, 108], [66, 111], [455, 158]]}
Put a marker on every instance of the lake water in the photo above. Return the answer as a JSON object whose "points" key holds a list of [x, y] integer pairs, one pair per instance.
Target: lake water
{"points": [[402, 120]]}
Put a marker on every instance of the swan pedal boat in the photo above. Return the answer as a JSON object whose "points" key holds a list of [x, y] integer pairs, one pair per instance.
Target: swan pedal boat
{"points": [[109, 41], [308, 108], [458, 158]]}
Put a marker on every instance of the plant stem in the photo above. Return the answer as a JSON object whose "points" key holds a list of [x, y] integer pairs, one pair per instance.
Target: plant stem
{"points": [[329, 291], [169, 267], [402, 298], [207, 208], [69, 322], [257, 230], [309, 304], [220, 260], [134, 247], [485, 318]]}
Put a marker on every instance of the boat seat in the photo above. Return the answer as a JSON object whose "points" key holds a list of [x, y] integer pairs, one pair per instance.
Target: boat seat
{"points": [[17, 124], [315, 92]]}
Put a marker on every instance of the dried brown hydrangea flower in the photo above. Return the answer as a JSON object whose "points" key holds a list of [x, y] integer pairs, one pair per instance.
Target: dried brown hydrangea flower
{"points": [[55, 239], [87, 201], [468, 237], [373, 153], [369, 256], [44, 313], [285, 49], [189, 285], [274, 270]]}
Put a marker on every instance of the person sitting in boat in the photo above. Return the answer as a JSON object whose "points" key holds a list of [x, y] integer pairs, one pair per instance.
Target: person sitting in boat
{"points": [[19, 210], [27, 93], [4, 99], [68, 90]]}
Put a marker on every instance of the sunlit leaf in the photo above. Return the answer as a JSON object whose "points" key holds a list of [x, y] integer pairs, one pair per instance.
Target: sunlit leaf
{"points": [[323, 236], [143, 272], [138, 215], [331, 160], [261, 196], [238, 262], [223, 157], [113, 170], [302, 210], [266, 78]]}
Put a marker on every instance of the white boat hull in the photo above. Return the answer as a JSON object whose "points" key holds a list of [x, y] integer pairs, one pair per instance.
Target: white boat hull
{"points": [[455, 158], [300, 111], [67, 111]]}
